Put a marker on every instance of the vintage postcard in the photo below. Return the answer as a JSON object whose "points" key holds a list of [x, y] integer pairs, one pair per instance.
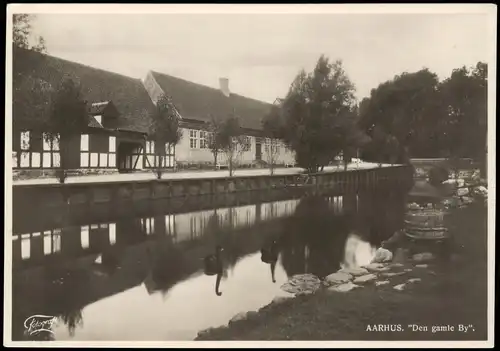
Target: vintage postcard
{"points": [[250, 175]]}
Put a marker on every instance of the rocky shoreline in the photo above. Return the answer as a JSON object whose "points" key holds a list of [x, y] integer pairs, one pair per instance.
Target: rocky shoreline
{"points": [[385, 267]]}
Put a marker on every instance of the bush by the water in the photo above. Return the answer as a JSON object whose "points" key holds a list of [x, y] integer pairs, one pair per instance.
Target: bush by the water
{"points": [[438, 175]]}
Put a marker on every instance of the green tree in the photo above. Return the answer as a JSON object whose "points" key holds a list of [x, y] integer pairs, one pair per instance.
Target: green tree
{"points": [[215, 140], [463, 127], [22, 32], [314, 109], [165, 129], [232, 141], [408, 108], [353, 138], [273, 127], [68, 118]]}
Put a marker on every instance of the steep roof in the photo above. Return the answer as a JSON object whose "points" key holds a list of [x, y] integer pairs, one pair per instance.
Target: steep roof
{"points": [[35, 75], [199, 102]]}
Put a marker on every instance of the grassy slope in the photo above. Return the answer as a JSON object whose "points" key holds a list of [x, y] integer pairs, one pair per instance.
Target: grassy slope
{"points": [[456, 294]]}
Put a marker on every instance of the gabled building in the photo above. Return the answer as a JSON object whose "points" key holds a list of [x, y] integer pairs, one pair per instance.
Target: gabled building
{"points": [[120, 114], [197, 104]]}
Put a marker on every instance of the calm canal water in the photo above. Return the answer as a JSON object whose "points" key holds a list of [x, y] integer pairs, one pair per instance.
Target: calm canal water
{"points": [[143, 278]]}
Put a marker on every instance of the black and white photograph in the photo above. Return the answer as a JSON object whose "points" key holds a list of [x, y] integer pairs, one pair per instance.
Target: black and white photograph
{"points": [[226, 175]]}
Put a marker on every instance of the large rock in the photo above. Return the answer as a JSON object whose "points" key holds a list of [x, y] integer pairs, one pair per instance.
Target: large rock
{"points": [[337, 278], [365, 278], [397, 265], [343, 287], [355, 272], [301, 283], [423, 257], [456, 182], [382, 255], [376, 267], [391, 274], [480, 190], [400, 287], [462, 192]]}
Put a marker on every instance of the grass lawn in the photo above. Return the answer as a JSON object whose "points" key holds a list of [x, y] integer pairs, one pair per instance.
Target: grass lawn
{"points": [[450, 293]]}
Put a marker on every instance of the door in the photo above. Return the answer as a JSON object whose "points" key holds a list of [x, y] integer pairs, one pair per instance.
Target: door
{"points": [[258, 150]]}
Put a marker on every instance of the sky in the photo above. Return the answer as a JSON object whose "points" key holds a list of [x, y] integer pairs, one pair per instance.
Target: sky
{"points": [[261, 54]]}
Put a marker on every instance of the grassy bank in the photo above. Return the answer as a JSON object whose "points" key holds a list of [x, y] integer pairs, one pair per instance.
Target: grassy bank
{"points": [[450, 293]]}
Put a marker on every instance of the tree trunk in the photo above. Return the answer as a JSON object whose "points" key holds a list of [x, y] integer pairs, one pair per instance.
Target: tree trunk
{"points": [[63, 161], [215, 159], [159, 170]]}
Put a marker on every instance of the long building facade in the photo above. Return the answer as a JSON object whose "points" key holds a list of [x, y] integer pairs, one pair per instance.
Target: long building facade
{"points": [[120, 115]]}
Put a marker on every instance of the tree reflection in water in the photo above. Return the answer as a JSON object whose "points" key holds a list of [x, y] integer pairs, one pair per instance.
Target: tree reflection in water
{"points": [[168, 267], [72, 319], [314, 239], [68, 295]]}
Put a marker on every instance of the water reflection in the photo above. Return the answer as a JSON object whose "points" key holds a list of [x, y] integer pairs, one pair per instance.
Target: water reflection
{"points": [[190, 270], [269, 255], [357, 252], [214, 266]]}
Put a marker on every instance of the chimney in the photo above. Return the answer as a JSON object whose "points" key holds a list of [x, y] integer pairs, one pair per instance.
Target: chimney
{"points": [[224, 86]]}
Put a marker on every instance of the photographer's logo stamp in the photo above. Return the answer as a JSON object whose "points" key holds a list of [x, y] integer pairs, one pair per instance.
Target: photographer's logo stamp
{"points": [[39, 323]]}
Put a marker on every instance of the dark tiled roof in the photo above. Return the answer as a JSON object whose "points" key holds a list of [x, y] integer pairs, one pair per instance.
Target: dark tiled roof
{"points": [[198, 102], [35, 75]]}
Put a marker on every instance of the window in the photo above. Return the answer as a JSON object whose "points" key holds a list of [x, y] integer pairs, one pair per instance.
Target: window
{"points": [[25, 159], [148, 225], [50, 156], [112, 144], [25, 140], [193, 134], [84, 142], [112, 233], [246, 143], [84, 148], [203, 140], [98, 119], [94, 159], [84, 237]]}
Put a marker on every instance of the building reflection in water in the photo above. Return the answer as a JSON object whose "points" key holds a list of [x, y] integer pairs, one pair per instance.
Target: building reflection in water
{"points": [[77, 266]]}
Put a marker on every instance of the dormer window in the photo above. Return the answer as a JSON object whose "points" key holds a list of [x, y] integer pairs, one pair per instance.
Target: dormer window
{"points": [[98, 118]]}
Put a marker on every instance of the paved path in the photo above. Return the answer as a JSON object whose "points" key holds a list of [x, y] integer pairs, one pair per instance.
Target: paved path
{"points": [[188, 174]]}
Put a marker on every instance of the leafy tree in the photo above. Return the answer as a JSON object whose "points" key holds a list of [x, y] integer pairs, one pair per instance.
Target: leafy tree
{"points": [[353, 137], [232, 141], [22, 32], [215, 138], [314, 109], [165, 129], [273, 128], [463, 127], [68, 118], [407, 108]]}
